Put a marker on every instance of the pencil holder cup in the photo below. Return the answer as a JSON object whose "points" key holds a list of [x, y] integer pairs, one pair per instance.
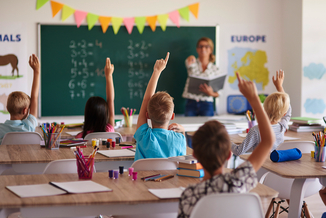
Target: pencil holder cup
{"points": [[85, 168], [251, 124], [320, 153], [53, 141], [128, 121]]}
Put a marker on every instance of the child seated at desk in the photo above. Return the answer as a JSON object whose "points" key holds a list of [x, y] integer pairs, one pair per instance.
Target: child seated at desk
{"points": [[162, 140], [211, 146], [278, 109], [99, 114], [21, 107]]}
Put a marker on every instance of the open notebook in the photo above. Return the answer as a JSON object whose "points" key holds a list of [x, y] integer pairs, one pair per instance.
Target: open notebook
{"points": [[57, 188]]}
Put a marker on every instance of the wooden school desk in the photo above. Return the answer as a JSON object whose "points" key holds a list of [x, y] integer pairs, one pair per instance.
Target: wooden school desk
{"points": [[299, 170], [127, 198]]}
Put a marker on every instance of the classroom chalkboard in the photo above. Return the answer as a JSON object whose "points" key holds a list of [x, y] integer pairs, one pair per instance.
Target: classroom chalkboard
{"points": [[73, 60]]}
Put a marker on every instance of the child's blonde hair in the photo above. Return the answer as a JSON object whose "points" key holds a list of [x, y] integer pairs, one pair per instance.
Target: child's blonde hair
{"points": [[276, 105], [17, 101], [160, 108]]}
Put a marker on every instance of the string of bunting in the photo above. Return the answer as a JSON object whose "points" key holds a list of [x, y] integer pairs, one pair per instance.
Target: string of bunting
{"points": [[116, 22]]}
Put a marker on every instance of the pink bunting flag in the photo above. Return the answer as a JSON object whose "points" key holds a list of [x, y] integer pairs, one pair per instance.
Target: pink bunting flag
{"points": [[174, 17], [129, 23], [80, 17]]}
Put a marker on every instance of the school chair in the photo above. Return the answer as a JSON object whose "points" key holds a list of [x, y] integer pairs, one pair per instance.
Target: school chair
{"points": [[283, 185], [103, 135], [22, 138], [244, 205], [154, 164], [62, 166]]}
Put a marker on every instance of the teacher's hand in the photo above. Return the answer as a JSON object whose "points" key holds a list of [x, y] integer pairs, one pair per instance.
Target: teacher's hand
{"points": [[191, 59], [208, 90]]}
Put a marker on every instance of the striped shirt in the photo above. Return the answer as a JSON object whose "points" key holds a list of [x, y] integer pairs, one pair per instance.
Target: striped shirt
{"points": [[253, 137], [195, 69]]}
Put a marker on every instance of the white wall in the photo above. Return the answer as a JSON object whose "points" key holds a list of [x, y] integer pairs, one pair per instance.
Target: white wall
{"points": [[271, 17]]}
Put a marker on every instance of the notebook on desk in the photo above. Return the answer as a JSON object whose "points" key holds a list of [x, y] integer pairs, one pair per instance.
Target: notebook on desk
{"points": [[117, 153]]}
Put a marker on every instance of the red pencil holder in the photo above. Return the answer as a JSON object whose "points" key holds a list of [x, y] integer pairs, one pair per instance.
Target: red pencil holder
{"points": [[85, 168]]}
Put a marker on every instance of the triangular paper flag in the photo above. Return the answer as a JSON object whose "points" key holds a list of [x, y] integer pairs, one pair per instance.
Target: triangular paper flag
{"points": [[129, 23], [66, 12], [105, 21], [184, 13], [152, 22], [91, 20], [174, 16], [162, 19], [56, 7], [40, 3], [80, 17], [140, 23], [116, 23], [194, 9]]}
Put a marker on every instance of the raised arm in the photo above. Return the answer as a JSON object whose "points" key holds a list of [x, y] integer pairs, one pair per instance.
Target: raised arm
{"points": [[35, 65], [109, 68], [278, 80], [151, 87], [262, 151]]}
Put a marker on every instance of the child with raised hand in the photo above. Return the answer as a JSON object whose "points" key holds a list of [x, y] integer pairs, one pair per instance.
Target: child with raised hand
{"points": [[99, 114], [211, 147], [161, 140], [278, 109], [22, 108]]}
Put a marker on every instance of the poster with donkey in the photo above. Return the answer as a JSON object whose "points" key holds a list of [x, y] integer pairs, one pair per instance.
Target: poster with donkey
{"points": [[13, 64]]}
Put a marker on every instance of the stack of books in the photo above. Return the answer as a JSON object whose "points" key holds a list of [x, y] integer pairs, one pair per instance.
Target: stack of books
{"points": [[191, 170], [306, 124]]}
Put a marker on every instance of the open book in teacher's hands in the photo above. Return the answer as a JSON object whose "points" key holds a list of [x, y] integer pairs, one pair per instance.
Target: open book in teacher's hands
{"points": [[216, 82]]}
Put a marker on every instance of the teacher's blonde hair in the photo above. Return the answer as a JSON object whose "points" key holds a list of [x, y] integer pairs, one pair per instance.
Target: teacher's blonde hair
{"points": [[211, 44]]}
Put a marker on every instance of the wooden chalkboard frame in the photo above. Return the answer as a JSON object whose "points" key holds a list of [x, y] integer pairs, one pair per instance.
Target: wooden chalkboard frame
{"points": [[42, 112]]}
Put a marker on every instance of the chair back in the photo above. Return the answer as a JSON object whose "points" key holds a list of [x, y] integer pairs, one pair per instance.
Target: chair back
{"points": [[21, 138], [154, 164], [62, 166], [248, 205], [103, 135]]}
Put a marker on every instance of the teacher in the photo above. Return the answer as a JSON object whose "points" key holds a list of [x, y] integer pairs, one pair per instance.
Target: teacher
{"points": [[203, 66]]}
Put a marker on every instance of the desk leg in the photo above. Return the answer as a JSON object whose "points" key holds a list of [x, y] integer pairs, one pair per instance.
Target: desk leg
{"points": [[298, 189]]}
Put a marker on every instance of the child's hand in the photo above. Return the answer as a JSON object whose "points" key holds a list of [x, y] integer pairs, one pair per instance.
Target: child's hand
{"points": [[161, 64], [176, 127], [34, 63], [191, 59], [247, 88], [278, 81], [109, 68]]}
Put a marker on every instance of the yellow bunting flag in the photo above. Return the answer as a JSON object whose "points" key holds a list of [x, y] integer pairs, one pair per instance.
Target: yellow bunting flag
{"points": [[66, 12], [105, 21], [56, 7], [40, 3], [162, 19], [152, 22], [91, 20], [140, 23], [116, 23], [184, 13], [194, 9]]}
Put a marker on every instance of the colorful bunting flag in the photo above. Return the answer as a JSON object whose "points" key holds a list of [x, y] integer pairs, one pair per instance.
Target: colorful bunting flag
{"points": [[184, 13], [56, 7], [162, 19], [194, 9], [105, 21], [140, 23], [129, 23], [40, 3], [91, 20], [116, 23], [66, 12], [80, 17], [152, 22], [174, 17]]}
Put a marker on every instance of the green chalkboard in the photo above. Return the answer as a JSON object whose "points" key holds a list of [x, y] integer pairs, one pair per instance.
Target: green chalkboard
{"points": [[72, 62]]}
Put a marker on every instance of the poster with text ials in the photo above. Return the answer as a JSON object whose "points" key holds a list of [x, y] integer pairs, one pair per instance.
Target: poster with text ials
{"points": [[13, 63]]}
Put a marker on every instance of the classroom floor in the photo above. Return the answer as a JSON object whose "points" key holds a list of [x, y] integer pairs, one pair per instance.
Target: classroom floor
{"points": [[315, 205]]}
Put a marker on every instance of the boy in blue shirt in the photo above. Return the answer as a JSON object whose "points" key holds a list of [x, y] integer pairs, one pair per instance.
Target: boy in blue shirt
{"points": [[22, 108], [163, 140]]}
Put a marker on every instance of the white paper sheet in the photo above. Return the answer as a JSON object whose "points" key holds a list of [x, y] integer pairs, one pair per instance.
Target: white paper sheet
{"points": [[117, 153], [40, 190], [167, 192]]}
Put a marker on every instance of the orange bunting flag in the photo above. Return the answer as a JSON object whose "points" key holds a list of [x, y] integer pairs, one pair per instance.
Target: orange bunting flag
{"points": [[152, 22], [194, 8], [56, 7], [105, 21]]}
